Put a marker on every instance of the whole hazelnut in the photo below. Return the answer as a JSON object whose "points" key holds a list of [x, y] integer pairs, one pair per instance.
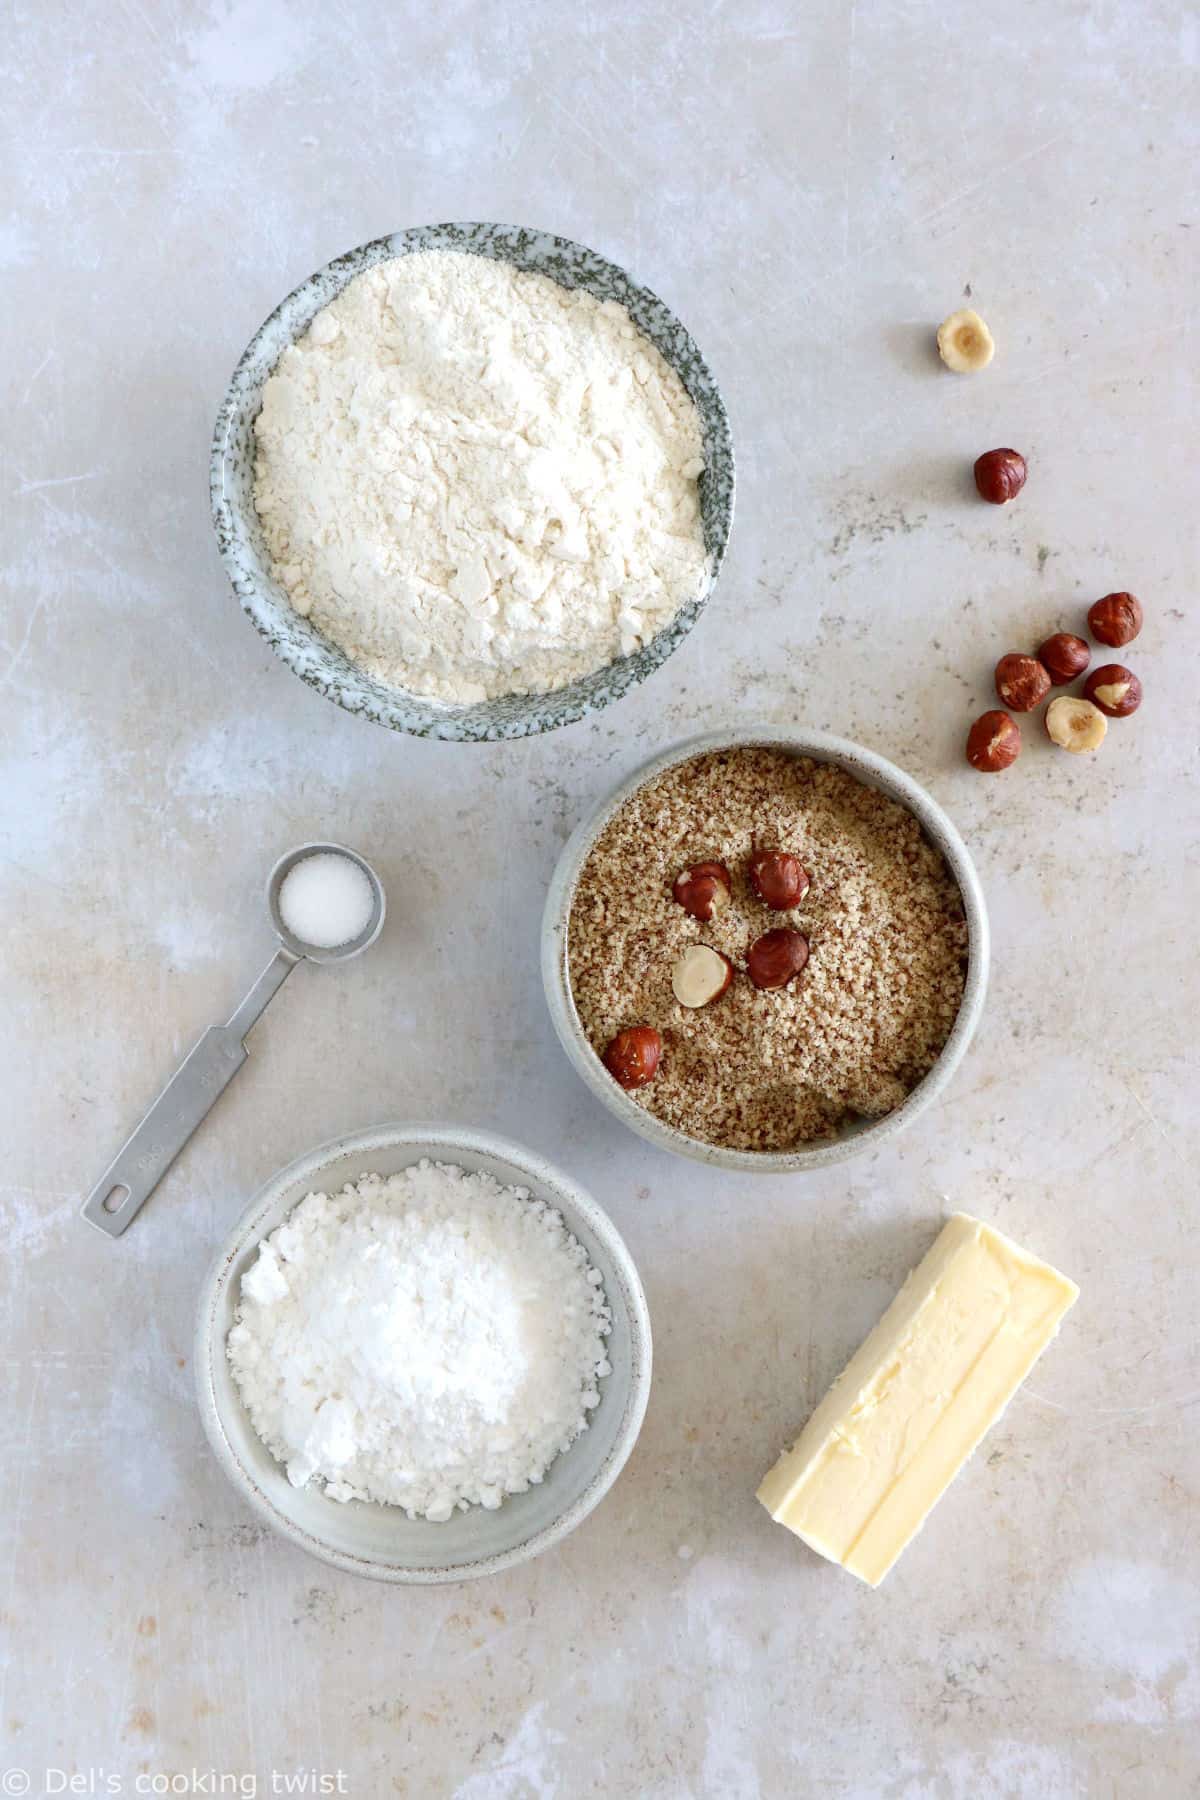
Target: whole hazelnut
{"points": [[701, 974], [1000, 475], [1021, 682], [776, 957], [1116, 619], [1115, 690], [1064, 656], [993, 742], [704, 890], [778, 879], [632, 1057]]}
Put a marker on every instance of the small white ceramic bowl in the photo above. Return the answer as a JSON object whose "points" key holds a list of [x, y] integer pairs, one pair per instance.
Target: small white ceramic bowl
{"points": [[876, 772], [382, 1541]]}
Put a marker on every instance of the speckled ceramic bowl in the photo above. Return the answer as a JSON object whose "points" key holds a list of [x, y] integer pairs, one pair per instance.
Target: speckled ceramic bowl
{"points": [[862, 1136], [382, 1541], [321, 663]]}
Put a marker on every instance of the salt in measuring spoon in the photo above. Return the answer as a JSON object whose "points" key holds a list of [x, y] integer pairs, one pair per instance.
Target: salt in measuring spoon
{"points": [[206, 1072]]}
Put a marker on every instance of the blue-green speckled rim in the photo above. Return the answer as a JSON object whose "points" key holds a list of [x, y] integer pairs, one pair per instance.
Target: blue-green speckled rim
{"points": [[321, 663]]}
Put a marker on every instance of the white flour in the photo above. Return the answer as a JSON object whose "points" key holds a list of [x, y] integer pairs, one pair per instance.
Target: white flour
{"points": [[478, 482], [432, 1340]]}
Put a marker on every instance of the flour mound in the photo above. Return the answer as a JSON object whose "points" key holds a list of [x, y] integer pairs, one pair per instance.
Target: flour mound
{"points": [[478, 482], [431, 1341]]}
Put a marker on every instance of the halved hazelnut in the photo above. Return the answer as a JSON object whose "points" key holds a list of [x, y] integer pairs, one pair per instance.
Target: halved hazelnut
{"points": [[776, 957], [779, 880], [703, 890], [1021, 682], [1116, 620], [633, 1056], [701, 974], [1075, 725], [993, 742], [964, 342], [1064, 656], [1115, 690]]}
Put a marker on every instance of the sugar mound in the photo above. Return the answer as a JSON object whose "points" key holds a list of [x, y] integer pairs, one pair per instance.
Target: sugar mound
{"points": [[432, 1340]]}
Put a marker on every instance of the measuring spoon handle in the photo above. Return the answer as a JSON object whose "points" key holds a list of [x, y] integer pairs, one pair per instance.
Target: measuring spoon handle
{"points": [[187, 1099]]}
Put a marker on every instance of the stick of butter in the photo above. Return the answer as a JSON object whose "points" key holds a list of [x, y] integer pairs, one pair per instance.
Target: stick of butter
{"points": [[916, 1398]]}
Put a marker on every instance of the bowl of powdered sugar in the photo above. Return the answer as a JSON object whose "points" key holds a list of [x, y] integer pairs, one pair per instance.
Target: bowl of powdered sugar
{"points": [[423, 1354], [472, 481]]}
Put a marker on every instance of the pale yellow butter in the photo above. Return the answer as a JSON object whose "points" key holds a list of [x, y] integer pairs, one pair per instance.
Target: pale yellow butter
{"points": [[917, 1396]]}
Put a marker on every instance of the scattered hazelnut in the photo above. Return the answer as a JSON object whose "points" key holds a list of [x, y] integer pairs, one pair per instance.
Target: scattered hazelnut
{"points": [[993, 742], [701, 974], [964, 342], [1021, 682], [776, 957], [1000, 475], [703, 890], [632, 1057], [1064, 656], [1116, 691], [1116, 620], [778, 879], [1075, 725]]}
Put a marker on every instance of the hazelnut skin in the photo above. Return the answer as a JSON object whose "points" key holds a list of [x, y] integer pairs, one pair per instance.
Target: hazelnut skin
{"points": [[1000, 475], [1116, 620], [633, 1056], [1115, 690], [993, 742], [776, 957], [703, 890], [1064, 656], [778, 879], [1021, 682]]}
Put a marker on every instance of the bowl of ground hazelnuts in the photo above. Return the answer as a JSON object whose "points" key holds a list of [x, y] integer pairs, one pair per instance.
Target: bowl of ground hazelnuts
{"points": [[767, 949]]}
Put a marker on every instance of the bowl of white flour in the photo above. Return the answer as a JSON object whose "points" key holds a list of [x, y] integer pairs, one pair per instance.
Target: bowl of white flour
{"points": [[472, 481], [423, 1354]]}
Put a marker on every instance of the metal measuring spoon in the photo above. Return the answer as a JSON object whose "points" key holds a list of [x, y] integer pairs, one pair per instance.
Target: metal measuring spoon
{"points": [[206, 1072]]}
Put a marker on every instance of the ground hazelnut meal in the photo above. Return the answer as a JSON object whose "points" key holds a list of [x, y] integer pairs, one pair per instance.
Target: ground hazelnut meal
{"points": [[854, 1032], [432, 1341], [478, 482]]}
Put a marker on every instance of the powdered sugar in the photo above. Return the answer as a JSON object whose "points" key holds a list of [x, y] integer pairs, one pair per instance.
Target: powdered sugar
{"points": [[478, 482], [432, 1340]]}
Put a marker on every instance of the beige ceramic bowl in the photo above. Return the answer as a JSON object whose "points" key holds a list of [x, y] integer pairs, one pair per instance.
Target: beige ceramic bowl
{"points": [[382, 1541], [876, 772]]}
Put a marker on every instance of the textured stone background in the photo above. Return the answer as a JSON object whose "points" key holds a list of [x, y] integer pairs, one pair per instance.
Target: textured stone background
{"points": [[811, 188]]}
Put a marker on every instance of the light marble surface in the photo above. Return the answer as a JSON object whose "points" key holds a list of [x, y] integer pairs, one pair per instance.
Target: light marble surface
{"points": [[811, 188]]}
